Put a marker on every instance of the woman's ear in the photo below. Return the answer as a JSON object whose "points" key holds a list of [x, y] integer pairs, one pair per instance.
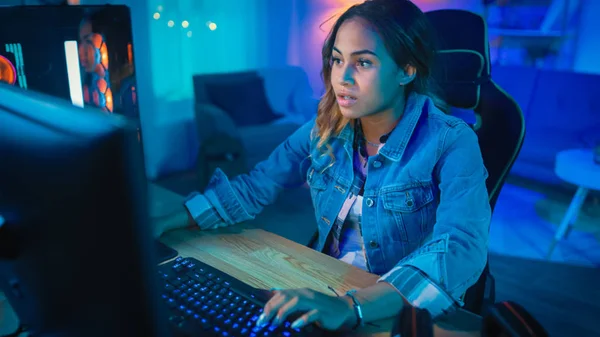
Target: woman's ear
{"points": [[406, 75]]}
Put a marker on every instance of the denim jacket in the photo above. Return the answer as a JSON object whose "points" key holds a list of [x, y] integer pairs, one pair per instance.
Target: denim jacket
{"points": [[426, 212]]}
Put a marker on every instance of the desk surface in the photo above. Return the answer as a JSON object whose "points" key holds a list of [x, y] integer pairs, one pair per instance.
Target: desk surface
{"points": [[265, 260]]}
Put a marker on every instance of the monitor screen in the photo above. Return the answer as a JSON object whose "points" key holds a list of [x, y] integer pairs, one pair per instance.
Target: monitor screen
{"points": [[73, 198], [80, 53]]}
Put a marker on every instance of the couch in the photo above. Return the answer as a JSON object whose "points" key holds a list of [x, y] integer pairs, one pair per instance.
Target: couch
{"points": [[562, 111], [241, 115], [252, 104], [240, 118]]}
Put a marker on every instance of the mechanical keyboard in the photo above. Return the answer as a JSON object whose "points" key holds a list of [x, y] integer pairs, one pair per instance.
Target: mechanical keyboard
{"points": [[204, 301]]}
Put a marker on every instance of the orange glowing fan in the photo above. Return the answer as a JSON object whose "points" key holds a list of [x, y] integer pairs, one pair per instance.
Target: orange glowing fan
{"points": [[95, 60], [8, 73]]}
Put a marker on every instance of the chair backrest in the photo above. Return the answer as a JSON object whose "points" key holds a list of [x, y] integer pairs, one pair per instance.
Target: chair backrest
{"points": [[464, 74], [464, 77]]}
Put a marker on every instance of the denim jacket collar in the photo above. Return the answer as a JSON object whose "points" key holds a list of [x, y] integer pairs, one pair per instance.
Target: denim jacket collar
{"points": [[398, 140]]}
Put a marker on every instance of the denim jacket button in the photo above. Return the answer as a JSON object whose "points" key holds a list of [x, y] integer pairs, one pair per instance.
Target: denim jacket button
{"points": [[409, 203], [370, 202], [373, 244], [377, 164]]}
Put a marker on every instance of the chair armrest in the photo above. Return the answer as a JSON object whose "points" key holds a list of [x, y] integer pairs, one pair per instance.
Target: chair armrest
{"points": [[211, 120]]}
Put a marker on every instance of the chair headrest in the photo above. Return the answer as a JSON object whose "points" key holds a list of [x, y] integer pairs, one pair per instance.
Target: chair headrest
{"points": [[463, 59]]}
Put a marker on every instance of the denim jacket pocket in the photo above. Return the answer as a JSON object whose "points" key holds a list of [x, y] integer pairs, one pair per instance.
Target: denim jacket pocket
{"points": [[412, 209]]}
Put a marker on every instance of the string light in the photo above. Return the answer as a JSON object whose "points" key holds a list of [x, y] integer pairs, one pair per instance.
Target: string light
{"points": [[211, 25]]}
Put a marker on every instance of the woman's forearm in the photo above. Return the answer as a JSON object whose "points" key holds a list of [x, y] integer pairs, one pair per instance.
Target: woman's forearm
{"points": [[178, 219], [379, 301]]}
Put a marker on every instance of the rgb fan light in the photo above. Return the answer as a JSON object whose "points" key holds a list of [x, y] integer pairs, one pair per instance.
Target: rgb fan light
{"points": [[98, 92], [8, 73]]}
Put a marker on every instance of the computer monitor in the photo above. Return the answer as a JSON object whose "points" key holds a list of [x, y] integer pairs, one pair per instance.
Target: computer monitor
{"points": [[73, 199], [83, 54]]}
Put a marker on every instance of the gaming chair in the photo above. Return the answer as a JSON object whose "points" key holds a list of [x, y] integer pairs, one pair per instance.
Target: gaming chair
{"points": [[463, 74]]}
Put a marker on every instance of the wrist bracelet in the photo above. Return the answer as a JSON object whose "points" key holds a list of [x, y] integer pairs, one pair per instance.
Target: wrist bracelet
{"points": [[357, 309]]}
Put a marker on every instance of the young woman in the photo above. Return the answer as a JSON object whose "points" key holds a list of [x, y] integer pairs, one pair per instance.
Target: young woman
{"points": [[398, 186]]}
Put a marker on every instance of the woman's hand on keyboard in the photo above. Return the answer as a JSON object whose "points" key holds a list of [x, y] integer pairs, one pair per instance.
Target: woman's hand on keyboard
{"points": [[329, 312]]}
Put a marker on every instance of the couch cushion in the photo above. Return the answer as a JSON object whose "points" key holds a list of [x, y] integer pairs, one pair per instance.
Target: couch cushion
{"points": [[563, 114], [283, 84], [258, 147], [244, 100]]}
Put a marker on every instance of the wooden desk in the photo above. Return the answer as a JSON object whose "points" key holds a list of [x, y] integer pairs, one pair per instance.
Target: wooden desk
{"points": [[265, 260]]}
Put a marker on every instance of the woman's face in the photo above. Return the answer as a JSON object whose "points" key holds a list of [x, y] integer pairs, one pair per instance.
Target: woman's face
{"points": [[363, 75]]}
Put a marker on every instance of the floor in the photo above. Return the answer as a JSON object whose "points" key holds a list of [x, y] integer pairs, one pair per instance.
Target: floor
{"points": [[564, 299], [562, 294], [527, 216]]}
